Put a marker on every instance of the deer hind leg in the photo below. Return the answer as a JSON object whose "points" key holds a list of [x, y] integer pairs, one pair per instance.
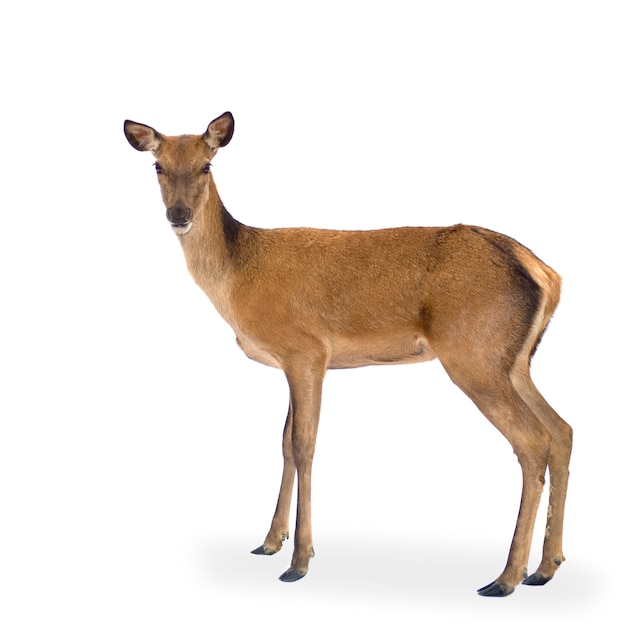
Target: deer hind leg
{"points": [[279, 529], [558, 466], [499, 401]]}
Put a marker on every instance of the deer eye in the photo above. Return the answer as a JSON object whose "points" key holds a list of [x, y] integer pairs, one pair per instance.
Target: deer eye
{"points": [[207, 168], [158, 169]]}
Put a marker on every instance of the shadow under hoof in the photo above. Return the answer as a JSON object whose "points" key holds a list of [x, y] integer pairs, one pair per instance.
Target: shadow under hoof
{"points": [[264, 550], [536, 579], [292, 575], [495, 590]]}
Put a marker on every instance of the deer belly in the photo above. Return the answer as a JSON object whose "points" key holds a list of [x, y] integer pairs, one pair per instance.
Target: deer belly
{"points": [[379, 350], [349, 351]]}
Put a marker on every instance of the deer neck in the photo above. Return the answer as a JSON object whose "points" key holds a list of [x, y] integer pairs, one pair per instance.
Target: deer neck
{"points": [[208, 249]]}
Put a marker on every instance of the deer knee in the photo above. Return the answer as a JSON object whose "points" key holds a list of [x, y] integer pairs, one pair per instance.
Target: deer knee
{"points": [[303, 451]]}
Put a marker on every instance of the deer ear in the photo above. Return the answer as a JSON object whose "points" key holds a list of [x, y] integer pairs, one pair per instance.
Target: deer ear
{"points": [[141, 137], [220, 131]]}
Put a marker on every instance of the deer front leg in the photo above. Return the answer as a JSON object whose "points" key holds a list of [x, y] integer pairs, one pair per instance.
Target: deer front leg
{"points": [[305, 385], [279, 529]]}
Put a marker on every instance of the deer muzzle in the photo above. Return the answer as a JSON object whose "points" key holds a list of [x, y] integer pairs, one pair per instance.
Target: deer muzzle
{"points": [[179, 217]]}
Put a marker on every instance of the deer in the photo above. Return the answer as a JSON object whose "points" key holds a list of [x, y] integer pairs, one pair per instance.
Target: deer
{"points": [[306, 300]]}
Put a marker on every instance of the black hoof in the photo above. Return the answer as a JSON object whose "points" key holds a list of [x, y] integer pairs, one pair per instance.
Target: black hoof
{"points": [[263, 550], [495, 590], [291, 575], [536, 579]]}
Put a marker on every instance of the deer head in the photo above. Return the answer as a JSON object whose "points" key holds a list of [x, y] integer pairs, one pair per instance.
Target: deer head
{"points": [[183, 165]]}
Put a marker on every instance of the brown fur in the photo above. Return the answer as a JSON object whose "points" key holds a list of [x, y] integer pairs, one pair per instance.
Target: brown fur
{"points": [[306, 300]]}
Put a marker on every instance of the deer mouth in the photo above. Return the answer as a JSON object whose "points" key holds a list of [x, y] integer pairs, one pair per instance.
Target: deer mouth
{"points": [[181, 229]]}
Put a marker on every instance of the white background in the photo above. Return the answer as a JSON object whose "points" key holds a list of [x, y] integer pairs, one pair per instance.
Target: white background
{"points": [[140, 449]]}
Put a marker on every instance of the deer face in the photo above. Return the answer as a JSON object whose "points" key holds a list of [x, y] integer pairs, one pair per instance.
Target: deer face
{"points": [[183, 166]]}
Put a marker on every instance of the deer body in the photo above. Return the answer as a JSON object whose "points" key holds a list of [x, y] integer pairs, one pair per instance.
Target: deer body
{"points": [[305, 300]]}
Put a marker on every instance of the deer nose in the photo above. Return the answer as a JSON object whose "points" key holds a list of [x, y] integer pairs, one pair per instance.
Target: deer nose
{"points": [[178, 214]]}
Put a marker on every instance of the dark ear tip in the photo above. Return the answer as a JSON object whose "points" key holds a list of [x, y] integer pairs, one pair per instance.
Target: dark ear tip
{"points": [[127, 123], [128, 134]]}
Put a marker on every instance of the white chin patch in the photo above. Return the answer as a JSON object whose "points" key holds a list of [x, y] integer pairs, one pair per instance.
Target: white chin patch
{"points": [[182, 230]]}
